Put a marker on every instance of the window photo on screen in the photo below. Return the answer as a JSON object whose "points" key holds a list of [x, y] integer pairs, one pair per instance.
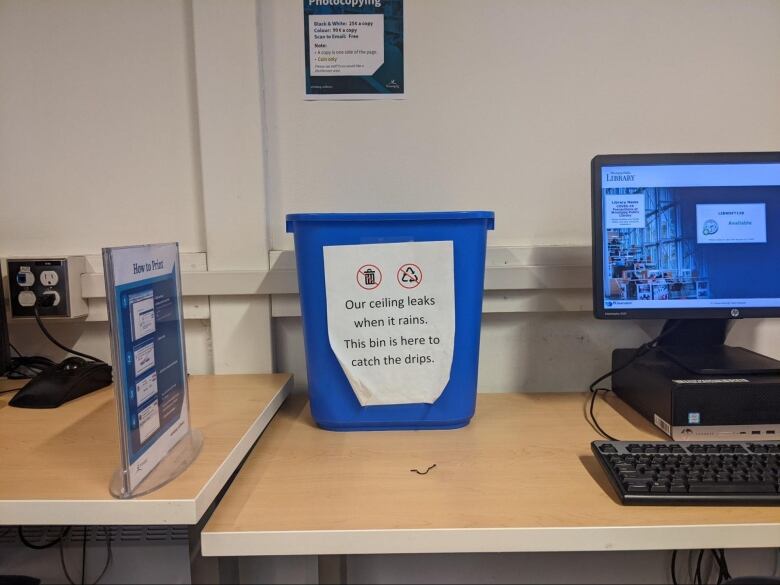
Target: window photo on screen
{"points": [[691, 236]]}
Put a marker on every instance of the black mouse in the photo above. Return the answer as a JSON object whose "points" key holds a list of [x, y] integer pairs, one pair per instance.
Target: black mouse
{"points": [[71, 378]]}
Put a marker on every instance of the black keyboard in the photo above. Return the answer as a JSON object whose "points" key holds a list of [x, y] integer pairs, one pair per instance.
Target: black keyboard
{"points": [[669, 473]]}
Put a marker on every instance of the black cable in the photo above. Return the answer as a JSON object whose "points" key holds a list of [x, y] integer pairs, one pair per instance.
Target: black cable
{"points": [[674, 567], [57, 343], [592, 421], [723, 572], [27, 367], [109, 558], [23, 367], [640, 351], [697, 575], [64, 566], [61, 541], [28, 544], [725, 564], [84, 556], [109, 554]]}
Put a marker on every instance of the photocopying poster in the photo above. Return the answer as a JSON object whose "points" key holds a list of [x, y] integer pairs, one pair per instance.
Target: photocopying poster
{"points": [[144, 297], [391, 319], [354, 49]]}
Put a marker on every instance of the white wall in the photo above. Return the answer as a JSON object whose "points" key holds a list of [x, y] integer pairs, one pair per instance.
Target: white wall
{"points": [[97, 126], [98, 140], [509, 100]]}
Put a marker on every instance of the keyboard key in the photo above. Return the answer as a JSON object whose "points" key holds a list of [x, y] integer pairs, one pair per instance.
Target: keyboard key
{"points": [[732, 488]]}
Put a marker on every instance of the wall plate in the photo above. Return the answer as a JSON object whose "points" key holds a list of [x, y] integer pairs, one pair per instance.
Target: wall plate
{"points": [[30, 280]]}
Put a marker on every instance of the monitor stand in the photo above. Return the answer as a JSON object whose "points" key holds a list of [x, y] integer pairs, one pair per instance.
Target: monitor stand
{"points": [[698, 346]]}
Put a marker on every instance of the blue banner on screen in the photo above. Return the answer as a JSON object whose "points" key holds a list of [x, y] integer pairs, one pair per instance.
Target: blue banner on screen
{"points": [[691, 235], [148, 343], [354, 49]]}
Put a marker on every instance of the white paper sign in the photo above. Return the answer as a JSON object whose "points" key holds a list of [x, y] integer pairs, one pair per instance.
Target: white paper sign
{"points": [[346, 44], [391, 318], [723, 223], [625, 211]]}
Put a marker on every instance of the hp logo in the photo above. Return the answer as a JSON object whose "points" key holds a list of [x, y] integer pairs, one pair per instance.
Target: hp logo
{"points": [[735, 312]]}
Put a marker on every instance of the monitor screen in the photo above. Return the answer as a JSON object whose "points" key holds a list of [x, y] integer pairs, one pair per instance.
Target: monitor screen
{"points": [[5, 351], [686, 235]]}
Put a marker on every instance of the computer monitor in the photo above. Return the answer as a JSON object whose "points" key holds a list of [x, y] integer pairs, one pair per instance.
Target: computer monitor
{"points": [[5, 351], [692, 238]]}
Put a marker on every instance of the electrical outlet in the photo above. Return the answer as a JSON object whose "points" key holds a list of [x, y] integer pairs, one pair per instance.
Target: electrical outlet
{"points": [[53, 284]]}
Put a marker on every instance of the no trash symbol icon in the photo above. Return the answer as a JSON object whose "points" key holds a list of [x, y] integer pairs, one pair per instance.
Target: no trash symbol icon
{"points": [[369, 277]]}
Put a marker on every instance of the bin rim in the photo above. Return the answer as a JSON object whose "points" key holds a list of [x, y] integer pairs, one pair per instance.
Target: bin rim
{"points": [[391, 216]]}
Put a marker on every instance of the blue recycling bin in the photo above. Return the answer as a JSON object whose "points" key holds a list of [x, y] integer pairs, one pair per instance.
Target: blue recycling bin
{"points": [[334, 405]]}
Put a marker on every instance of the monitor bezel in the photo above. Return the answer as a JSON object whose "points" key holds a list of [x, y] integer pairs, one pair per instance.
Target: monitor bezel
{"points": [[602, 160]]}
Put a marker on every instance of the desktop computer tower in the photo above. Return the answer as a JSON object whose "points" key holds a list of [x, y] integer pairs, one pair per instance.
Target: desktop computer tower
{"points": [[693, 407]]}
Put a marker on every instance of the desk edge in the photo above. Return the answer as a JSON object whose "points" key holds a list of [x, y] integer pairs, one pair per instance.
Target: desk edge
{"points": [[489, 540], [219, 479]]}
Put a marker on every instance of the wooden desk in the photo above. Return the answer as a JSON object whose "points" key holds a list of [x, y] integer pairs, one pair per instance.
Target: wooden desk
{"points": [[520, 478], [55, 465]]}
